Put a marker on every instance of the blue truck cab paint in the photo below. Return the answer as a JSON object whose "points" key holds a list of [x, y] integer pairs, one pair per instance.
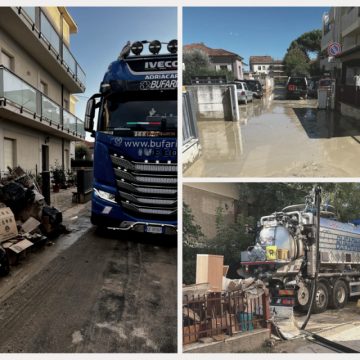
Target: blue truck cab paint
{"points": [[135, 153]]}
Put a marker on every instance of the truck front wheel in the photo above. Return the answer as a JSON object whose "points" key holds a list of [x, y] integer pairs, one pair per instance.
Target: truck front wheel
{"points": [[339, 295]]}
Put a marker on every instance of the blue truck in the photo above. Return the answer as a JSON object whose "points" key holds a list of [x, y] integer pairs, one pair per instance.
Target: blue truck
{"points": [[135, 152]]}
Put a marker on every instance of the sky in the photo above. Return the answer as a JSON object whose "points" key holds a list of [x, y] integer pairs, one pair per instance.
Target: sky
{"points": [[102, 33], [249, 31]]}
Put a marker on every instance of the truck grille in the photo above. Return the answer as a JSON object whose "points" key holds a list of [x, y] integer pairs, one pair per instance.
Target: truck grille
{"points": [[147, 189]]}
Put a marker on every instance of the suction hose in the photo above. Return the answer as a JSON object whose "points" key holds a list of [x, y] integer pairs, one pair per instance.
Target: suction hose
{"points": [[317, 265]]}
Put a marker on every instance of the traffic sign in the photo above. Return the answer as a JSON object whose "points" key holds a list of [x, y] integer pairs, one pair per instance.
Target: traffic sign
{"points": [[334, 49]]}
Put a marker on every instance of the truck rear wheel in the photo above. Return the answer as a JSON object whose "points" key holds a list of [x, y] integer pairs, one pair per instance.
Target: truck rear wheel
{"points": [[321, 298], [339, 295]]}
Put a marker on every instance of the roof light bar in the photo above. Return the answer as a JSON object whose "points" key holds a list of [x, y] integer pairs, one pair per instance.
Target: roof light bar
{"points": [[172, 46], [137, 47], [155, 47]]}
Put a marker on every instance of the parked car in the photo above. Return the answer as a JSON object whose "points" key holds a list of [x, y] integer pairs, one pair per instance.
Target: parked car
{"points": [[297, 87], [256, 87], [243, 92]]}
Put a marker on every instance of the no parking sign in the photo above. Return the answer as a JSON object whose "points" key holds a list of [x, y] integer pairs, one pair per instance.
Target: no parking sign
{"points": [[334, 49]]}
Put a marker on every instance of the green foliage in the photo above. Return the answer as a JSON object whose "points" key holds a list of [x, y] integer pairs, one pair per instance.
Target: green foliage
{"points": [[296, 62], [197, 63], [192, 233], [297, 59], [82, 152]]}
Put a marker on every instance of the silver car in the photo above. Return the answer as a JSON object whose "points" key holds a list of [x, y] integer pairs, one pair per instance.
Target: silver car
{"points": [[243, 93]]}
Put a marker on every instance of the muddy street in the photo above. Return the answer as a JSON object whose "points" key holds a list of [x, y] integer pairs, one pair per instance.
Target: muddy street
{"points": [[276, 138], [107, 292]]}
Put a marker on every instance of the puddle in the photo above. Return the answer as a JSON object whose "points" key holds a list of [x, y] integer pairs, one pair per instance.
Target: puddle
{"points": [[276, 138]]}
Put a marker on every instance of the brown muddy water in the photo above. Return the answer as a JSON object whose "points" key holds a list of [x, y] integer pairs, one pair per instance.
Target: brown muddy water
{"points": [[279, 138]]}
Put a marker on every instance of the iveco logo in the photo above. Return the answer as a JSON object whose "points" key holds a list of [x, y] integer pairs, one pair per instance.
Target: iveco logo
{"points": [[161, 64], [118, 141]]}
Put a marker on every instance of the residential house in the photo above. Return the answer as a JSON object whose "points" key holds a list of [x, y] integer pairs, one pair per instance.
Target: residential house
{"points": [[204, 200], [261, 64], [38, 77], [221, 59], [342, 25]]}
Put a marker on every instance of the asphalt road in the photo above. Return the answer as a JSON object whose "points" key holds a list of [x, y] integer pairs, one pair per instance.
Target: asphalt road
{"points": [[105, 293]]}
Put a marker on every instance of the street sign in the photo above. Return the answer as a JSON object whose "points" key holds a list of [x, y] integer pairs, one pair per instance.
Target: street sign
{"points": [[334, 49]]}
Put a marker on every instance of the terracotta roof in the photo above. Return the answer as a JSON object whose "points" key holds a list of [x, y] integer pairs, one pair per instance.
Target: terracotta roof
{"points": [[261, 59], [210, 51]]}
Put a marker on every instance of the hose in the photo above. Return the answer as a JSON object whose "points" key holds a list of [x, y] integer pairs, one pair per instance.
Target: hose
{"points": [[317, 265]]}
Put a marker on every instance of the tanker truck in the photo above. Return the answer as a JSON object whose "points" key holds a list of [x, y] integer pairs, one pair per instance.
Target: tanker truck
{"points": [[304, 249]]}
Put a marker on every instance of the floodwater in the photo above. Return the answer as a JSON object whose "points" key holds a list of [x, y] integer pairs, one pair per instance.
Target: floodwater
{"points": [[279, 138]]}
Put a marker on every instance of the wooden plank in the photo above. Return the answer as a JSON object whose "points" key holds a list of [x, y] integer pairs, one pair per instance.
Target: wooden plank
{"points": [[209, 269]]}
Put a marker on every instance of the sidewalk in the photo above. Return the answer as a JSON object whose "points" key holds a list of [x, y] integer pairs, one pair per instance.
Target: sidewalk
{"points": [[63, 202]]}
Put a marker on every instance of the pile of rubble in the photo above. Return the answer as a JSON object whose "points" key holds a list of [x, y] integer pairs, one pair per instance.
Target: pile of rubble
{"points": [[26, 221]]}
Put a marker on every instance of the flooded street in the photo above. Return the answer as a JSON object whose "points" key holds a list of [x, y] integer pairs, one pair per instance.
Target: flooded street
{"points": [[279, 138]]}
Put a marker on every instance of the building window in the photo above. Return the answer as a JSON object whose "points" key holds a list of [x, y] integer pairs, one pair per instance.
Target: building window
{"points": [[66, 104], [223, 67], [263, 67], [259, 67], [43, 87], [7, 60], [9, 153]]}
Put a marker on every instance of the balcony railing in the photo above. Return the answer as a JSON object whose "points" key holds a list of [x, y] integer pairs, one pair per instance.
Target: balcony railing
{"points": [[22, 94], [48, 33]]}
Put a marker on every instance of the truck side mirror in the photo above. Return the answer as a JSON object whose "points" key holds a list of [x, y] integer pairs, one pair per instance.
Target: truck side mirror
{"points": [[90, 113]]}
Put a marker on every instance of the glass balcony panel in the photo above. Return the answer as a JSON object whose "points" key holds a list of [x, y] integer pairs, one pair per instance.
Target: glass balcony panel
{"points": [[30, 12], [81, 75], [80, 127], [50, 110], [69, 121], [69, 59], [49, 33], [19, 92]]}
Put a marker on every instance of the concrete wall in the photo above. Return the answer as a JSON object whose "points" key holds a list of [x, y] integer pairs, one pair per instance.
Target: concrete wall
{"points": [[204, 199], [214, 102], [251, 342], [28, 144]]}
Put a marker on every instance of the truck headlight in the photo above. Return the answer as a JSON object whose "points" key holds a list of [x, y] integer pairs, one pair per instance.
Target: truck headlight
{"points": [[105, 195]]}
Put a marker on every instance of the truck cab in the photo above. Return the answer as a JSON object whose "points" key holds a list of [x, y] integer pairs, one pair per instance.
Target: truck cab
{"points": [[135, 153]]}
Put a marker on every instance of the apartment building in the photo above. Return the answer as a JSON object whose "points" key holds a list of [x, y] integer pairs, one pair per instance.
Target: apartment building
{"points": [[342, 25], [38, 79], [221, 59]]}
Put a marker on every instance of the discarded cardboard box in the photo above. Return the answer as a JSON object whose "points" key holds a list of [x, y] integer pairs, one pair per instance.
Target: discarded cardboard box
{"points": [[30, 225], [8, 228], [21, 246], [190, 334]]}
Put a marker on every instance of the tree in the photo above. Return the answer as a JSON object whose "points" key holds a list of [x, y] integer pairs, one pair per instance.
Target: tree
{"points": [[82, 152], [197, 63], [298, 60]]}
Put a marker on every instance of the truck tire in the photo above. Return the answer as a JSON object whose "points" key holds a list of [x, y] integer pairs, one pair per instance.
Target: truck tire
{"points": [[321, 298], [303, 298], [339, 295]]}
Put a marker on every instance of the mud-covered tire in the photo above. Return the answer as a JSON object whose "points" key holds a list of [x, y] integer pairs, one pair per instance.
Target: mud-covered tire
{"points": [[321, 300], [339, 295], [303, 296]]}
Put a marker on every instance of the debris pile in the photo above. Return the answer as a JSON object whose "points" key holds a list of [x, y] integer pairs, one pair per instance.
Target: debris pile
{"points": [[25, 219], [213, 312]]}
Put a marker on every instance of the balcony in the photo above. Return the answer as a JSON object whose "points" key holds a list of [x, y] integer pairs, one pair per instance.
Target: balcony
{"points": [[351, 22], [26, 105], [30, 27], [327, 39]]}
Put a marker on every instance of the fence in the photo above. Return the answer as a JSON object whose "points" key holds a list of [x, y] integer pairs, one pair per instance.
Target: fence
{"points": [[216, 314]]}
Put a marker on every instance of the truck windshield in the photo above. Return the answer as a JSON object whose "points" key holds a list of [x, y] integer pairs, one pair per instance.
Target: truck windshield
{"points": [[142, 114]]}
